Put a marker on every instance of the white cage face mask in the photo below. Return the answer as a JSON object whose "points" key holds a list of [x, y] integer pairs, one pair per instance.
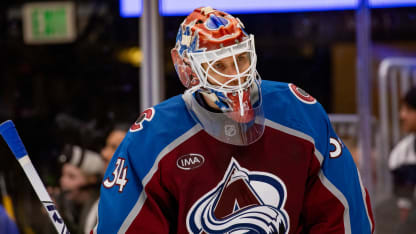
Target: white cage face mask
{"points": [[226, 76], [236, 74]]}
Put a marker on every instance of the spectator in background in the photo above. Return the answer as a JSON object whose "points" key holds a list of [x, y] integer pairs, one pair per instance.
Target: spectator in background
{"points": [[402, 163], [79, 186], [113, 140]]}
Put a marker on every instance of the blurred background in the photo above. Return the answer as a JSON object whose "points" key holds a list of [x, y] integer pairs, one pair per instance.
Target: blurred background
{"points": [[68, 74]]}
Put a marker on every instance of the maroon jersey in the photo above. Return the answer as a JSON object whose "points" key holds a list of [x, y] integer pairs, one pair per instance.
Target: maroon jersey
{"points": [[170, 176]]}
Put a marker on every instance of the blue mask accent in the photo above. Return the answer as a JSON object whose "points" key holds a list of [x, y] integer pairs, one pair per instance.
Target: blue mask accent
{"points": [[221, 103], [192, 48], [178, 40], [193, 45], [215, 22], [179, 35]]}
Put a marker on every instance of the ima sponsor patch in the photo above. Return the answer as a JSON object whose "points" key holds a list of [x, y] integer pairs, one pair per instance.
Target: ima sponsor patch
{"points": [[242, 202], [146, 115], [301, 94], [190, 161]]}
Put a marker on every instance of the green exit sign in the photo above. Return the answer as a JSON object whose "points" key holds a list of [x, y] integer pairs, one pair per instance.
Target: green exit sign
{"points": [[49, 22]]}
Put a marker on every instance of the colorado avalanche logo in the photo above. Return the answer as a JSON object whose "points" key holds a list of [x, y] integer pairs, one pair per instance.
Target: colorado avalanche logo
{"points": [[243, 202]]}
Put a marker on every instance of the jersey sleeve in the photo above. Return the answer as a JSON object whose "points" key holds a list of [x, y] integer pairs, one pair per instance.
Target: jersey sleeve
{"points": [[132, 197], [336, 200], [125, 206]]}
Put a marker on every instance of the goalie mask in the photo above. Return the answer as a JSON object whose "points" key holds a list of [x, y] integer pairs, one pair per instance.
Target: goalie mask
{"points": [[215, 59]]}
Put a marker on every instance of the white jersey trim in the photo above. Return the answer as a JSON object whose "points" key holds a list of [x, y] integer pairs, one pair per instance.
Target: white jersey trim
{"points": [[142, 197], [331, 187], [364, 194], [324, 180]]}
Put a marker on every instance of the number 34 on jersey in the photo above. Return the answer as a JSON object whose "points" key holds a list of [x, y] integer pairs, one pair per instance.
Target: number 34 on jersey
{"points": [[119, 176]]}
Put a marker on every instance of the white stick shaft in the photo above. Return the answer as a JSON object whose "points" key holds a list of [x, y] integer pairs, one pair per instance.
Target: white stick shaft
{"points": [[11, 136], [43, 195]]}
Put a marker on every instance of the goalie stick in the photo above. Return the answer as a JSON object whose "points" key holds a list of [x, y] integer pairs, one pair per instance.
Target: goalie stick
{"points": [[11, 136]]}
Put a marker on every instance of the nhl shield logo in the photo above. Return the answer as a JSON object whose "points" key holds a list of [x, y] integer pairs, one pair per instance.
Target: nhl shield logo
{"points": [[243, 202]]}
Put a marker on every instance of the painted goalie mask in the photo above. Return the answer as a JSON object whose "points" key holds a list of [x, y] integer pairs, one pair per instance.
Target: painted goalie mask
{"points": [[216, 61]]}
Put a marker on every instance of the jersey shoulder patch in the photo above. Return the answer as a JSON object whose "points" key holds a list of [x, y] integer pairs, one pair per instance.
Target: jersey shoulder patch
{"points": [[301, 94], [146, 115]]}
